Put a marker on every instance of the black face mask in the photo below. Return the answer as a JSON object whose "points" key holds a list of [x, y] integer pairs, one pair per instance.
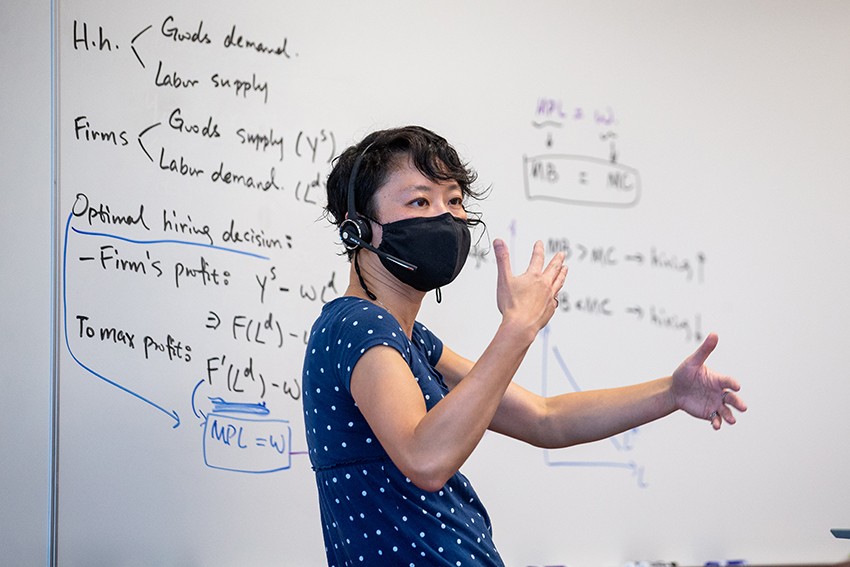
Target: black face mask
{"points": [[437, 246]]}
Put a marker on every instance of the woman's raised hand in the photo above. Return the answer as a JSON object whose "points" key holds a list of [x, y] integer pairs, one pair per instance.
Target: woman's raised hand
{"points": [[704, 393], [529, 299]]}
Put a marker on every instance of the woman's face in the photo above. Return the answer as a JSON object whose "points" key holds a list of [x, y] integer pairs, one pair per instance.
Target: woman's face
{"points": [[407, 194]]}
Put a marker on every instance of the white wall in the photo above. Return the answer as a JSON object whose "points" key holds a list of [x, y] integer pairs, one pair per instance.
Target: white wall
{"points": [[25, 287]]}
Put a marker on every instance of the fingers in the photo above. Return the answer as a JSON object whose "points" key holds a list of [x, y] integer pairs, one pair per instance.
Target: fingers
{"points": [[556, 271], [503, 259], [555, 264], [700, 355], [716, 421], [730, 398], [537, 256], [727, 415]]}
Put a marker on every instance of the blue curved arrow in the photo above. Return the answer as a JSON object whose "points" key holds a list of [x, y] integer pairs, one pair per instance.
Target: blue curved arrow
{"points": [[172, 414]]}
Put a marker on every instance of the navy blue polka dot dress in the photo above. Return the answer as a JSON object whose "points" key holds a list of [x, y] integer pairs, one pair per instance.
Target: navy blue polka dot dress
{"points": [[371, 513]]}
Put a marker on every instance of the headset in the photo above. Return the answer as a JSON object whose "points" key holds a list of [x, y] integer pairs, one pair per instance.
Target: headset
{"points": [[355, 231]]}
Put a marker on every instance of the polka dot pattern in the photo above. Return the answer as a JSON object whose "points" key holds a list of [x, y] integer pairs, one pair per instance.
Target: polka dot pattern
{"points": [[371, 514]]}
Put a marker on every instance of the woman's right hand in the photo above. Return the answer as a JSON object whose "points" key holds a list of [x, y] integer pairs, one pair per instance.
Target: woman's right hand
{"points": [[530, 299]]}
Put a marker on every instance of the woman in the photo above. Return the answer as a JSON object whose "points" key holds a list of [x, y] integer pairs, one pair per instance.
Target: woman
{"points": [[391, 413]]}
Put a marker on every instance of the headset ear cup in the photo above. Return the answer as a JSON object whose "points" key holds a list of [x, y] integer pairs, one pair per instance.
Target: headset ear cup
{"points": [[365, 229], [353, 232]]}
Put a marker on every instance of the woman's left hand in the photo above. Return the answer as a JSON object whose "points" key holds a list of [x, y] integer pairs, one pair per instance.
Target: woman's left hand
{"points": [[704, 393]]}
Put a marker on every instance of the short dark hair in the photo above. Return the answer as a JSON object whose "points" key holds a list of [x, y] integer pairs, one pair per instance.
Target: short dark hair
{"points": [[430, 153]]}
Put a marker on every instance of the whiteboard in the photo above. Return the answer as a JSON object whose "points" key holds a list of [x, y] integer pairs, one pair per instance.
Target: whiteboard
{"points": [[686, 156]]}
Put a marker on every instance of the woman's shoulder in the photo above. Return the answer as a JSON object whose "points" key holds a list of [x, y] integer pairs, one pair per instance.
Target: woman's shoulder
{"points": [[342, 307], [349, 314], [349, 308]]}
